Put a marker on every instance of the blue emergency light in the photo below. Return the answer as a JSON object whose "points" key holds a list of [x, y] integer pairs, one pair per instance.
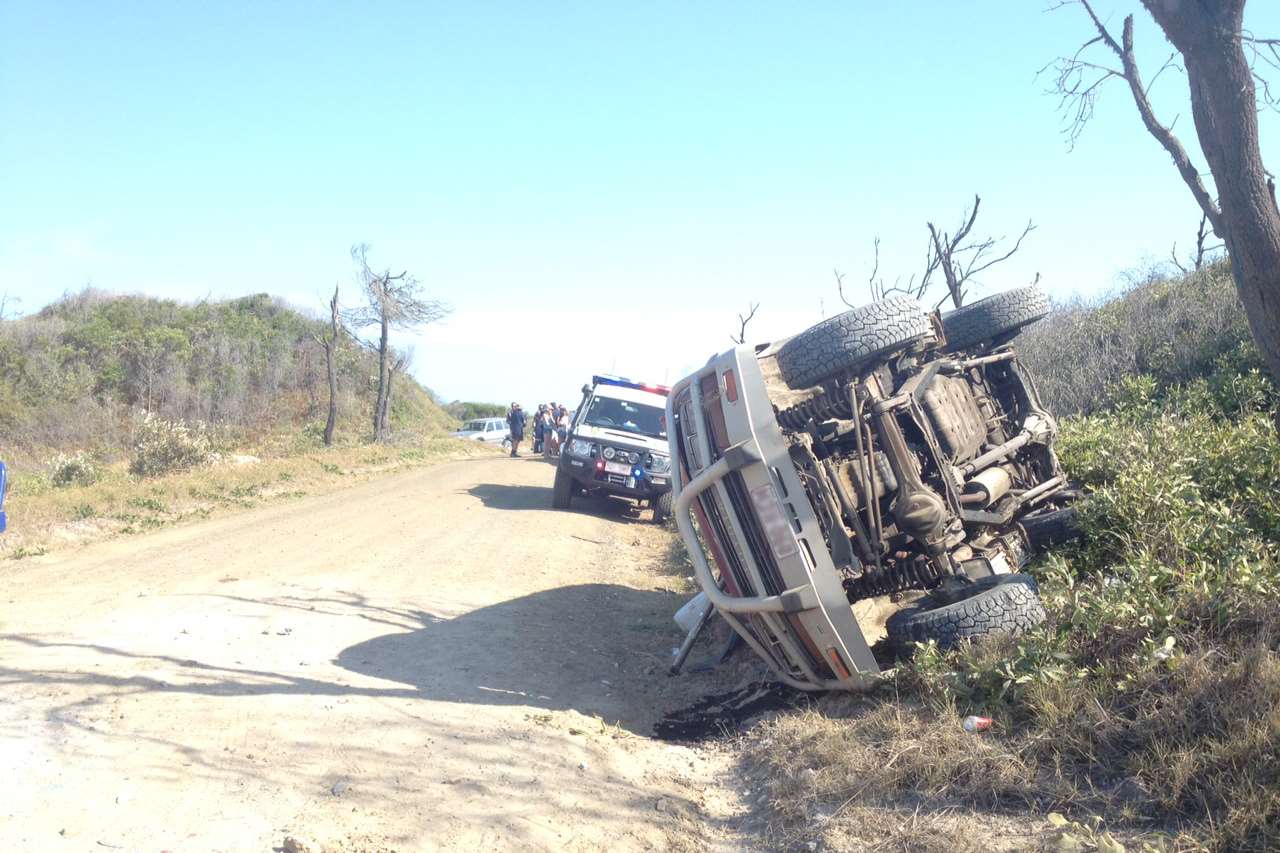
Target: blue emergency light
{"points": [[3, 484], [627, 383]]}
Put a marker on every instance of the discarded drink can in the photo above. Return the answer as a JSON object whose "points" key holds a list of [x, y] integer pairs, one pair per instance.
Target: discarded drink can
{"points": [[977, 724]]}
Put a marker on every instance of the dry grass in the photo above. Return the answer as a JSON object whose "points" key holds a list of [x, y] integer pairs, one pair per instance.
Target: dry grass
{"points": [[42, 517], [867, 774], [886, 773]]}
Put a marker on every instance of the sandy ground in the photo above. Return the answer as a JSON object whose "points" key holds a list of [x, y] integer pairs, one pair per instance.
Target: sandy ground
{"points": [[433, 660]]}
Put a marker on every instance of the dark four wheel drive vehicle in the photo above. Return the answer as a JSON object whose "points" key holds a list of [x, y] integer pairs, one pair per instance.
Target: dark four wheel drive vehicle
{"points": [[884, 458], [617, 445]]}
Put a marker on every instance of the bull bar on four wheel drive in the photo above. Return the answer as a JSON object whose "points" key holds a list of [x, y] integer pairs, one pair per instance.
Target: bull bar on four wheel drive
{"points": [[779, 592]]}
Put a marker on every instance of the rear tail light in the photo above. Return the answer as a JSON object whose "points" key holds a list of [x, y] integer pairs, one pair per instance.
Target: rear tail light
{"points": [[730, 386]]}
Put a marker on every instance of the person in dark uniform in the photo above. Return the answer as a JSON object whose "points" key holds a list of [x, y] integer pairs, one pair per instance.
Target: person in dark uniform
{"points": [[515, 420]]}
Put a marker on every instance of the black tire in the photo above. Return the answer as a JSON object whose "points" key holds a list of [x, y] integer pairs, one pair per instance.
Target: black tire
{"points": [[1048, 528], [661, 508], [850, 340], [995, 319], [562, 491], [1004, 604]]}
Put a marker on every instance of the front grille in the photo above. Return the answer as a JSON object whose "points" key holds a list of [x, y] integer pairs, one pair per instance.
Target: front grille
{"points": [[711, 507], [761, 552]]}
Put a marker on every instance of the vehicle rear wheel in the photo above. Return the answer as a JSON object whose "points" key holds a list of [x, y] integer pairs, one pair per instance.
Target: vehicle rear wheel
{"points": [[506, 444], [661, 508], [996, 319], [1004, 604], [562, 491], [847, 341]]}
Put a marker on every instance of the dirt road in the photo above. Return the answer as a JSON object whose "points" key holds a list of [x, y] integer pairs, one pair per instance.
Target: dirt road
{"points": [[432, 660]]}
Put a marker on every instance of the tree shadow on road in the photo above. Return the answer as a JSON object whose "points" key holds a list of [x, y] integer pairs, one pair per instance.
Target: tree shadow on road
{"points": [[599, 649]]}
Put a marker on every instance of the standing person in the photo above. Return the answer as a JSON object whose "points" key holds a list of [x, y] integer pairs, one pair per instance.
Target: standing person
{"points": [[562, 425], [550, 445], [539, 427], [515, 421]]}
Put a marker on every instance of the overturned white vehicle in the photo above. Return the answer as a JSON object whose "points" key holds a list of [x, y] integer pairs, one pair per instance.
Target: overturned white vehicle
{"points": [[883, 453]]}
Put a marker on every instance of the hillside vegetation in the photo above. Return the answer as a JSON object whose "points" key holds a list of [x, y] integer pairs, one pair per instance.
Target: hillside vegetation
{"points": [[80, 373], [1151, 698], [119, 413]]}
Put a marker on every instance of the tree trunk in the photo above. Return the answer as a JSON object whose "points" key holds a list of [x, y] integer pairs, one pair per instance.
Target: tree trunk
{"points": [[329, 347], [386, 404], [1225, 107], [384, 381], [333, 396]]}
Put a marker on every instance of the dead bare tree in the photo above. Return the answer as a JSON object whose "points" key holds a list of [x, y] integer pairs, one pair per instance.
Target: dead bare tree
{"points": [[8, 306], [1227, 91], [329, 342], [392, 301], [959, 256], [1202, 253], [743, 321]]}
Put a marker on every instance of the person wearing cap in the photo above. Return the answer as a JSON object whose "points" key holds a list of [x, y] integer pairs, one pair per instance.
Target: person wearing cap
{"points": [[515, 421]]}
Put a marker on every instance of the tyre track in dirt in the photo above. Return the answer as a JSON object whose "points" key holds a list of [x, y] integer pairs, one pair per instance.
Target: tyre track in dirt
{"points": [[432, 660]]}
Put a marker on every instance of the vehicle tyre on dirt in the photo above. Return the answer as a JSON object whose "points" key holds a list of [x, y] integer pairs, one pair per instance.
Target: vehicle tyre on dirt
{"points": [[506, 444], [996, 319], [562, 490], [847, 341], [1052, 527], [662, 507], [1004, 604]]}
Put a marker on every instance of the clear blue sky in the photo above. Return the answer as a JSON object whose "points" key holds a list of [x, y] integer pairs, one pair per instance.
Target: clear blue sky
{"points": [[594, 186]]}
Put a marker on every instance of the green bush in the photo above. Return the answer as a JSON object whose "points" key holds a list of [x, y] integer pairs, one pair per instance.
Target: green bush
{"points": [[1174, 330], [76, 469], [162, 447], [1159, 663]]}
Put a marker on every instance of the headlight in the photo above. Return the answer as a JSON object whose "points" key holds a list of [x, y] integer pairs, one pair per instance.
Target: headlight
{"points": [[660, 464], [608, 453], [578, 447]]}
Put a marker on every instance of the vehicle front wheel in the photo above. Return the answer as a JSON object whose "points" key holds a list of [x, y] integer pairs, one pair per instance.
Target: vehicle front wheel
{"points": [[562, 491], [1003, 604], [661, 507]]}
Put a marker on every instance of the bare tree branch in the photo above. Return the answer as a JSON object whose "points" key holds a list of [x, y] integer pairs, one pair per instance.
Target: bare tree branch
{"points": [[1077, 87], [8, 306], [961, 258], [742, 330], [1203, 253]]}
